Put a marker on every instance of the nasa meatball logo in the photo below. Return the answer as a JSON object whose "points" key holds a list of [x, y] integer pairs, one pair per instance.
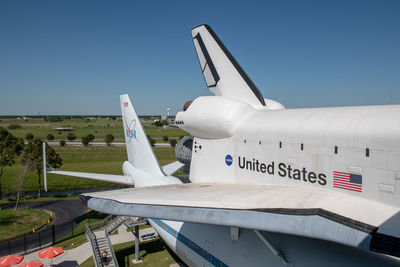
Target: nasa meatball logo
{"points": [[228, 160], [131, 130]]}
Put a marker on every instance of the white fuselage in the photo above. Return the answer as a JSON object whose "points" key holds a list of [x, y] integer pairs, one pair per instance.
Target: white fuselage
{"points": [[304, 147], [210, 245], [301, 147]]}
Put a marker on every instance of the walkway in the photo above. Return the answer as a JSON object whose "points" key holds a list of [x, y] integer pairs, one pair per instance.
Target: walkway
{"points": [[78, 255]]}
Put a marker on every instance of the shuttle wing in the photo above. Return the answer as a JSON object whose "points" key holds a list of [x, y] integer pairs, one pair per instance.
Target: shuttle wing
{"points": [[118, 179], [172, 168], [169, 169], [299, 211]]}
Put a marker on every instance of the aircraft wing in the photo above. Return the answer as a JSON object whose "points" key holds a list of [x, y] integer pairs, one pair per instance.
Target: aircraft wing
{"points": [[293, 210], [173, 167], [118, 179]]}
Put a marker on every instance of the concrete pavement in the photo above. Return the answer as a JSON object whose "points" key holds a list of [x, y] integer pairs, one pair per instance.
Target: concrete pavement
{"points": [[78, 255]]}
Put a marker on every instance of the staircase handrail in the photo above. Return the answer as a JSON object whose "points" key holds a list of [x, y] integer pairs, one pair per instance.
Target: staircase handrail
{"points": [[93, 243], [111, 248]]}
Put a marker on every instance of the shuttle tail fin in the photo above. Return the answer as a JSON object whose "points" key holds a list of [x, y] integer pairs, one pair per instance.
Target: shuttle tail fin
{"points": [[140, 153], [223, 75]]}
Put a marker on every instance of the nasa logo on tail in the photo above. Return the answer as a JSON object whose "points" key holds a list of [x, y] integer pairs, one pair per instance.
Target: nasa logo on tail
{"points": [[228, 160], [131, 130]]}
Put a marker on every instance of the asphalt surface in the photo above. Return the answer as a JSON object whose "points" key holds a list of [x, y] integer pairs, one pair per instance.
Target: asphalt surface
{"points": [[65, 210], [68, 214], [95, 143]]}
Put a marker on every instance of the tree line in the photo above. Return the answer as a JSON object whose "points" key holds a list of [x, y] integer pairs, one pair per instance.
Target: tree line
{"points": [[31, 155], [109, 138]]}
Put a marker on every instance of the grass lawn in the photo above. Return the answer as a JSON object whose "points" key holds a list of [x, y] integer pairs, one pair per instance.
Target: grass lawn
{"points": [[79, 238], [69, 242], [143, 226], [28, 199], [98, 127], [85, 159], [154, 253], [14, 223]]}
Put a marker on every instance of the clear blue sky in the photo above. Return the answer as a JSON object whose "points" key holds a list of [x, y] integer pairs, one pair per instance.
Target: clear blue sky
{"points": [[77, 57]]}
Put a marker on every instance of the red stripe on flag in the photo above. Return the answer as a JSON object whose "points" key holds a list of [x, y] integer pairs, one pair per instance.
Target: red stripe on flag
{"points": [[356, 190], [341, 176], [347, 185], [341, 173]]}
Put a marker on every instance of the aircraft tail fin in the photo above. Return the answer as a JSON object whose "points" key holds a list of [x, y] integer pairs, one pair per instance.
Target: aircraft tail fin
{"points": [[223, 75], [140, 153]]}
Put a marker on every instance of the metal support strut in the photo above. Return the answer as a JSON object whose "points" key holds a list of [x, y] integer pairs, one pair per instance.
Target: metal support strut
{"points": [[271, 247], [137, 243], [44, 167], [45, 164]]}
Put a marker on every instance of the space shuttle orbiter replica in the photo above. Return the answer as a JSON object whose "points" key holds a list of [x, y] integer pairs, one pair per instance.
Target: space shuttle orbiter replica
{"points": [[269, 185]]}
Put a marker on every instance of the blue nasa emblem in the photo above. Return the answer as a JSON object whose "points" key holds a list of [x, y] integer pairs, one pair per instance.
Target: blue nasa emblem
{"points": [[228, 160], [131, 130]]}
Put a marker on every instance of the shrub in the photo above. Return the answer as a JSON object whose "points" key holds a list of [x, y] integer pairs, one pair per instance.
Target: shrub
{"points": [[14, 126], [50, 137], [165, 138], [29, 136], [85, 141], [90, 137], [54, 119], [180, 137], [108, 139], [71, 136], [172, 142], [152, 142], [62, 142], [157, 124]]}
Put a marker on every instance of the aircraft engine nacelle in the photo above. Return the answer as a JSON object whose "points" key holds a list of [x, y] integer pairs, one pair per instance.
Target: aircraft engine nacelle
{"points": [[212, 117]]}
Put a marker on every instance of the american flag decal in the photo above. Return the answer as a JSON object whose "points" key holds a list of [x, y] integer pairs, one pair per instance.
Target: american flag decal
{"points": [[125, 104], [348, 181]]}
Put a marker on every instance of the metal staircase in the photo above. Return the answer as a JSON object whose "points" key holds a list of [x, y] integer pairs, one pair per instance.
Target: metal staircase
{"points": [[97, 234], [117, 222]]}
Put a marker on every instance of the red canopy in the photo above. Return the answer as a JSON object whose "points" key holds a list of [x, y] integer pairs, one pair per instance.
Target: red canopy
{"points": [[50, 252], [32, 264], [10, 260]]}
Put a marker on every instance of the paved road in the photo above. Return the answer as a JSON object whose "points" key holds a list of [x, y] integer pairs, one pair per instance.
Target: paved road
{"points": [[68, 214], [76, 143], [65, 210]]}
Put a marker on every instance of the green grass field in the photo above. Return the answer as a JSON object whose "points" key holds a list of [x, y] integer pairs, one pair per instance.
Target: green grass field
{"points": [[85, 159], [16, 222], [89, 159], [98, 127]]}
